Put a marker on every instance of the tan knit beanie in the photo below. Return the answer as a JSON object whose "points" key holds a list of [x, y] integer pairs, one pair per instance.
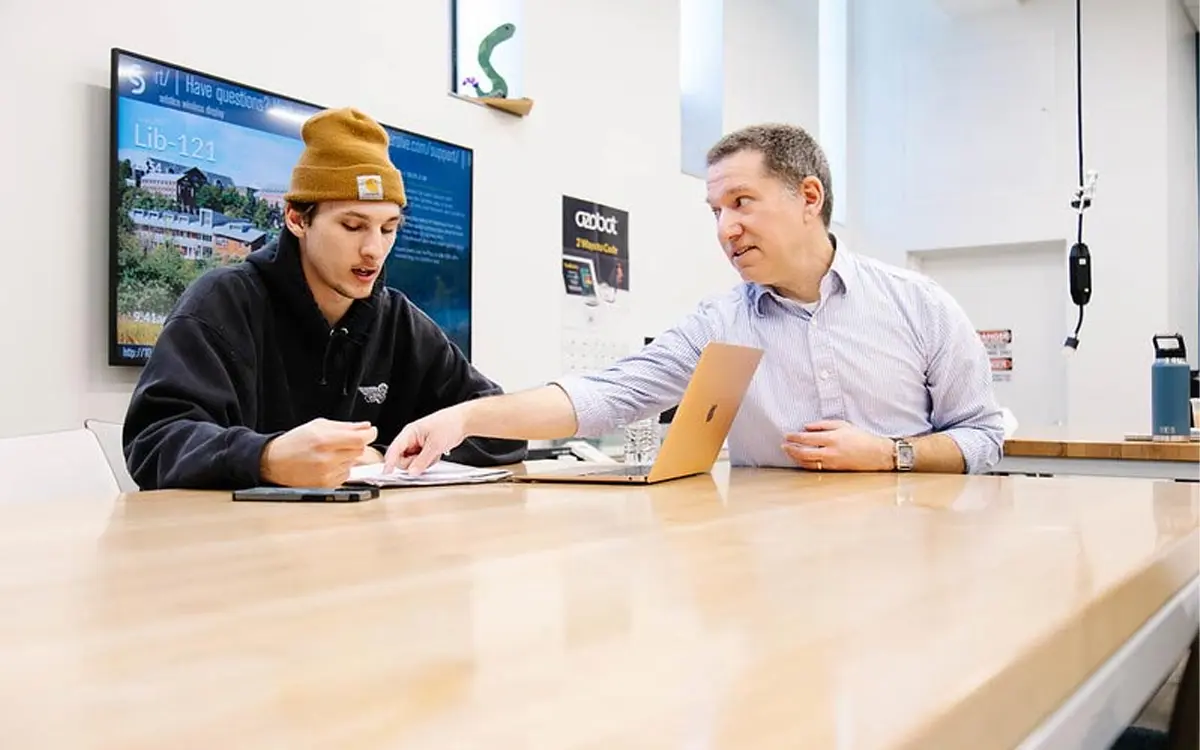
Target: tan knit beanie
{"points": [[345, 159]]}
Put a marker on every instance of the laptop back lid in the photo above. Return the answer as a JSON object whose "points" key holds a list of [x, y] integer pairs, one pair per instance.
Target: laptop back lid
{"points": [[707, 410]]}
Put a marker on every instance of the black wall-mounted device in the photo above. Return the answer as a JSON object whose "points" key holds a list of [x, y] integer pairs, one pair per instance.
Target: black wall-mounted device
{"points": [[1080, 271]]}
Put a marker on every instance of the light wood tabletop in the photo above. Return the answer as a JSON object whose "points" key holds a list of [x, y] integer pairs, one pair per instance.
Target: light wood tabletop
{"points": [[746, 609], [1050, 444]]}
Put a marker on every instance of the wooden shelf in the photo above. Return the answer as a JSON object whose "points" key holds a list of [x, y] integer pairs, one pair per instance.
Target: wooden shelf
{"points": [[519, 107]]}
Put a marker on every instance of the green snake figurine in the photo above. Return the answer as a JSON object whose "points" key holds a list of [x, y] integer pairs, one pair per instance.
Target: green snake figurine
{"points": [[498, 35]]}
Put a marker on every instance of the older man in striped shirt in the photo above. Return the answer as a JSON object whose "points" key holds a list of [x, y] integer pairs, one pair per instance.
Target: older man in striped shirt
{"points": [[866, 366]]}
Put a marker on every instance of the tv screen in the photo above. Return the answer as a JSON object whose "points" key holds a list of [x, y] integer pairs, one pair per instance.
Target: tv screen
{"points": [[200, 165]]}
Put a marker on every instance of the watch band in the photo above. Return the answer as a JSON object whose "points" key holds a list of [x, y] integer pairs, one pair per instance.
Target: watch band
{"points": [[902, 455]]}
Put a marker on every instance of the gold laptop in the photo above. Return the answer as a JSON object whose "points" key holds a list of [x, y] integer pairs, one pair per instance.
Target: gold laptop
{"points": [[701, 424]]}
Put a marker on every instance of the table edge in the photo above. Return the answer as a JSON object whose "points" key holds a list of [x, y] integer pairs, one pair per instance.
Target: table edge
{"points": [[1134, 599]]}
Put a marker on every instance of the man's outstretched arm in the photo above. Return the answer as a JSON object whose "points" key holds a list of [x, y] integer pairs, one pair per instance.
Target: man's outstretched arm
{"points": [[639, 385], [544, 413]]}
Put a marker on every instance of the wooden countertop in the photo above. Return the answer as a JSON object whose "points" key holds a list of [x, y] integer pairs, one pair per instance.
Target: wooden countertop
{"points": [[747, 609], [1052, 445]]}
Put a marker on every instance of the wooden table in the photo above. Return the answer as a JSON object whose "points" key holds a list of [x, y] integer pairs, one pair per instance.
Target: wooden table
{"points": [[1051, 453], [746, 609]]}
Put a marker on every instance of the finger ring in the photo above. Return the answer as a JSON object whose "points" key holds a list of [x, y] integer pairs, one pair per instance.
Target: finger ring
{"points": [[818, 464]]}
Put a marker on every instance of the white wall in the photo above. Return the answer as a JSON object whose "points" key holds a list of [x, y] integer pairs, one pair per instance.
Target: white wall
{"points": [[963, 134], [985, 280], [771, 56], [1183, 234], [605, 125]]}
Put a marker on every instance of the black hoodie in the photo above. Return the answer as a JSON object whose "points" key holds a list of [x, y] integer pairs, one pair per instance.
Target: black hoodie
{"points": [[246, 355]]}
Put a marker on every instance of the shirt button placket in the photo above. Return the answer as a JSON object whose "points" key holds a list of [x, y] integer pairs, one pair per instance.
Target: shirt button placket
{"points": [[826, 376]]}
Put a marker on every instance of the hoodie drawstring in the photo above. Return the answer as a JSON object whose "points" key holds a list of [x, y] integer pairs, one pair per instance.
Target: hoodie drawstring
{"points": [[329, 351]]}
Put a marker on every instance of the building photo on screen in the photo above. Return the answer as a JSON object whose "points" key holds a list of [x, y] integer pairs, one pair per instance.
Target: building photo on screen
{"points": [[199, 169]]}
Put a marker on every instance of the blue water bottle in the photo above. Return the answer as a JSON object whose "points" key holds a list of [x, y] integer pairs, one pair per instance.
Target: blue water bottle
{"points": [[1170, 390]]}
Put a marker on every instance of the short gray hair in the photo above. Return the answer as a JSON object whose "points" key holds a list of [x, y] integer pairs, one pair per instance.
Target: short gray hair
{"points": [[789, 154]]}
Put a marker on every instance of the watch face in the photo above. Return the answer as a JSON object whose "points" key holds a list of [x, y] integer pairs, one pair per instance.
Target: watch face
{"points": [[904, 455]]}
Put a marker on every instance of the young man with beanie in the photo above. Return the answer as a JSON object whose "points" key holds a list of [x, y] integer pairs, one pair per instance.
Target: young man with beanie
{"points": [[297, 364]]}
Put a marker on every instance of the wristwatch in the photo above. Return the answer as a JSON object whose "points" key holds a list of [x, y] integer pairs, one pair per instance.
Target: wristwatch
{"points": [[902, 455]]}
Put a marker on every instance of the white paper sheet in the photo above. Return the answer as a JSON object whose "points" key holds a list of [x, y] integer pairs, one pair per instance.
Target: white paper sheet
{"points": [[441, 473]]}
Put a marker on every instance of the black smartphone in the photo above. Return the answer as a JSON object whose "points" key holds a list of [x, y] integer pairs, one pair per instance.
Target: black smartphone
{"points": [[307, 494]]}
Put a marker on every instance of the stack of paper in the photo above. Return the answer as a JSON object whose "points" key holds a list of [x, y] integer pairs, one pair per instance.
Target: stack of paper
{"points": [[441, 473]]}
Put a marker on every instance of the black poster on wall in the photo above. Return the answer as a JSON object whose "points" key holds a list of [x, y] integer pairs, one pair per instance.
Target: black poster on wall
{"points": [[599, 233]]}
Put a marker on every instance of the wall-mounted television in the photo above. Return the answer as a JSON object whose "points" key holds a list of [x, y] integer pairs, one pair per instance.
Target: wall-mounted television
{"points": [[199, 166]]}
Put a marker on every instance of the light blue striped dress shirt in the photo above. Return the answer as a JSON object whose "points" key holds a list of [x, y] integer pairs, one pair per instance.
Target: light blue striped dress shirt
{"points": [[886, 349]]}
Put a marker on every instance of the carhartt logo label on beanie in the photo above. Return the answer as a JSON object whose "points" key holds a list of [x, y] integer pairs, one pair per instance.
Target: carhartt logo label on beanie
{"points": [[370, 187], [345, 159]]}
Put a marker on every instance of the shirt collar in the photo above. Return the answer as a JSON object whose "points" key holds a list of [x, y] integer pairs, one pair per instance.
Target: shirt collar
{"points": [[842, 277]]}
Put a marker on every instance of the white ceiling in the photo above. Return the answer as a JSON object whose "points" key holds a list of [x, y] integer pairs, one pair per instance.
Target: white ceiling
{"points": [[960, 7]]}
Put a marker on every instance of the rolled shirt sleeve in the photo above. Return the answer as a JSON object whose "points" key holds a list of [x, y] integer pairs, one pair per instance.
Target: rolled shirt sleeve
{"points": [[642, 384], [963, 400]]}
